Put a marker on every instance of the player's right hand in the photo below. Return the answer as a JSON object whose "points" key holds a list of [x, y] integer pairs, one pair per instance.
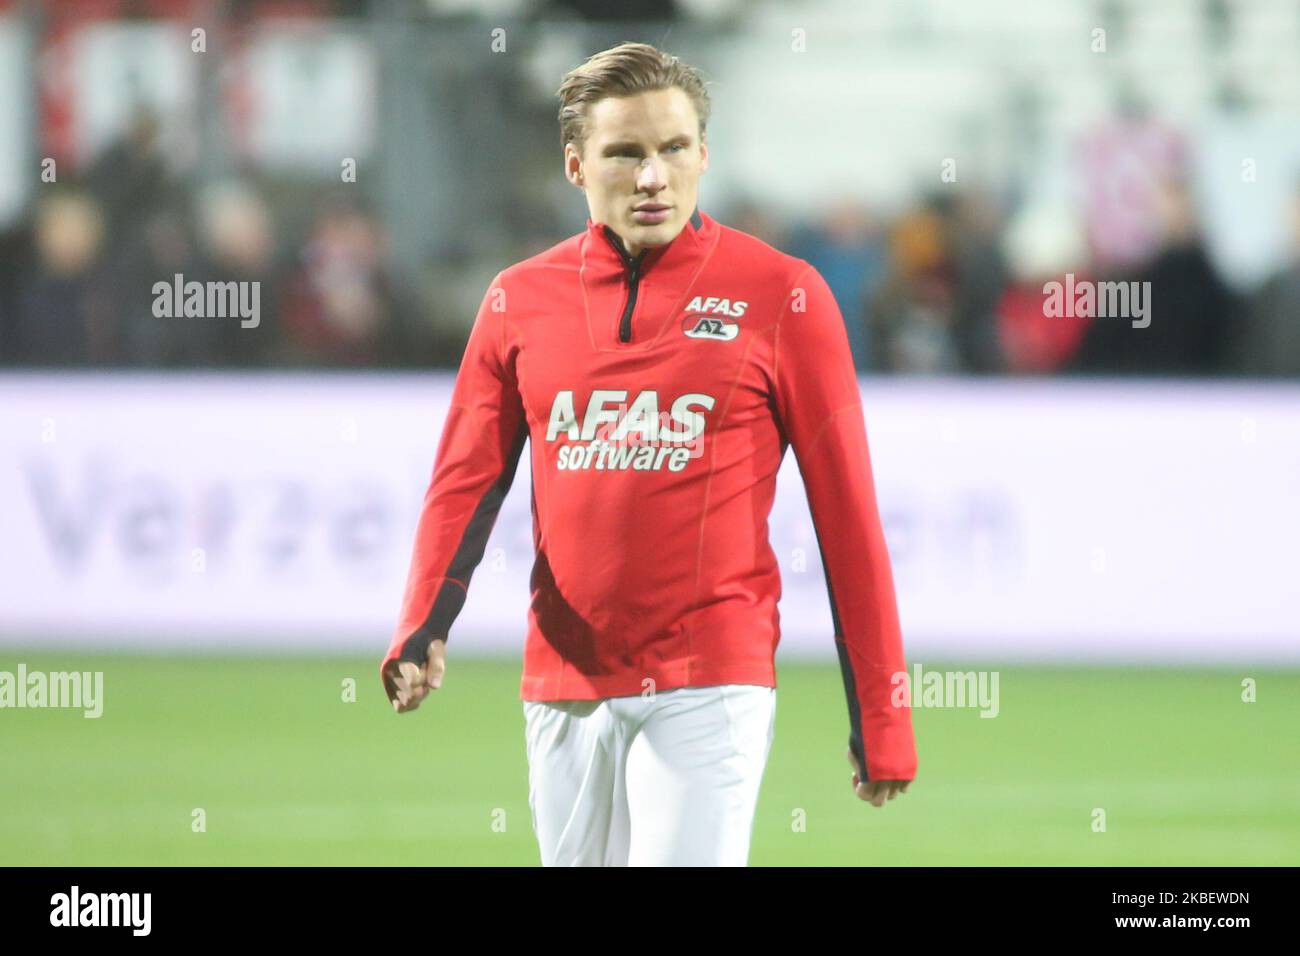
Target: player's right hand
{"points": [[407, 683]]}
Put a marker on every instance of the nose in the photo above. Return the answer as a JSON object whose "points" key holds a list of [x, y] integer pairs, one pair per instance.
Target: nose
{"points": [[649, 178]]}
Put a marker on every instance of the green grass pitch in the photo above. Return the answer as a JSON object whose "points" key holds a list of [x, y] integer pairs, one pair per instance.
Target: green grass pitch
{"points": [[287, 772]]}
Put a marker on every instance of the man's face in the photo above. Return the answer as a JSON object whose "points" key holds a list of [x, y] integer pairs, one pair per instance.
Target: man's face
{"points": [[641, 165]]}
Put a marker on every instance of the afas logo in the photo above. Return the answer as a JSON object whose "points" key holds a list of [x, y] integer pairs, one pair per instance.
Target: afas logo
{"points": [[715, 306], [706, 318], [615, 434]]}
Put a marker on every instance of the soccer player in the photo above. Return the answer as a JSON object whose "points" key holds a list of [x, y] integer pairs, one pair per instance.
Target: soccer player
{"points": [[658, 365]]}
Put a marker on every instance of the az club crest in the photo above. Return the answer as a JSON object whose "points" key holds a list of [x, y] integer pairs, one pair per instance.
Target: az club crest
{"points": [[709, 327]]}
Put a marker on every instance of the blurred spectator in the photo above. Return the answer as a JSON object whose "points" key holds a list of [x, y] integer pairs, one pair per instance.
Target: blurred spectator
{"points": [[237, 244], [64, 310], [129, 177], [912, 316], [758, 220], [1191, 309], [341, 306], [1270, 343], [980, 274], [1043, 244], [160, 248], [1124, 160], [16, 251], [846, 248]]}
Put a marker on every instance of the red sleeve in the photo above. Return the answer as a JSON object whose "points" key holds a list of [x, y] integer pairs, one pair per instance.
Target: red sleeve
{"points": [[820, 412], [473, 468]]}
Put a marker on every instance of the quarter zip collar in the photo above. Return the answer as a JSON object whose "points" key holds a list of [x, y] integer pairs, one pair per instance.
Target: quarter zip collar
{"points": [[629, 299], [604, 247]]}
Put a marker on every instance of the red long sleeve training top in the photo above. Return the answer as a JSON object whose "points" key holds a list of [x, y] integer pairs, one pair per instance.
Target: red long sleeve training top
{"points": [[659, 395]]}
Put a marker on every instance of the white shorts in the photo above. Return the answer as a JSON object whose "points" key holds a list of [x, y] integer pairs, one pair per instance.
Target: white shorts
{"points": [[668, 780]]}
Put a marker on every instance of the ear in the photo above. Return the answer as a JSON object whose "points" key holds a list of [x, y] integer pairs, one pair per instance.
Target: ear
{"points": [[704, 157], [573, 166]]}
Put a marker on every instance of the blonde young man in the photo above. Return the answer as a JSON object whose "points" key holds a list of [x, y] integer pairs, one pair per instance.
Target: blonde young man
{"points": [[657, 364]]}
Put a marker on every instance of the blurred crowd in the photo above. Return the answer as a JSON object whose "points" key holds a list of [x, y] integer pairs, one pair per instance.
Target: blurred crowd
{"points": [[78, 285], [957, 285], [953, 284]]}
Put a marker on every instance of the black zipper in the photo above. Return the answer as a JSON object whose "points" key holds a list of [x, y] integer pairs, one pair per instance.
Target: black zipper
{"points": [[633, 280], [625, 323]]}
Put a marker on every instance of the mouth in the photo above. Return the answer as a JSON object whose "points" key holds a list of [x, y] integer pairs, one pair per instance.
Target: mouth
{"points": [[649, 213]]}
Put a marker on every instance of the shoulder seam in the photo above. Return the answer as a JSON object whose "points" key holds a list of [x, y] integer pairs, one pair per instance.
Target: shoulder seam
{"points": [[780, 318]]}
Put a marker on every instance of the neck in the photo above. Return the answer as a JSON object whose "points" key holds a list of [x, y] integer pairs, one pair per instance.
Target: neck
{"points": [[630, 249]]}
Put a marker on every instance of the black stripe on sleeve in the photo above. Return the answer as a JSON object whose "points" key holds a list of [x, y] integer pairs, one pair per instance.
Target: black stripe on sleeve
{"points": [[856, 742], [451, 596]]}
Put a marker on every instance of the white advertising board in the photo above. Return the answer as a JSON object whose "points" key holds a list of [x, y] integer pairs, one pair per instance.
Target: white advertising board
{"points": [[1034, 520]]}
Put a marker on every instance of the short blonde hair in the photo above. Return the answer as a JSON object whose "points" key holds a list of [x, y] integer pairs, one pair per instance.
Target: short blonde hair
{"points": [[624, 70]]}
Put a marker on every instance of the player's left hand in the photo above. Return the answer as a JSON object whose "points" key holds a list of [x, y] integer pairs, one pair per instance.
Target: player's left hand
{"points": [[875, 792]]}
